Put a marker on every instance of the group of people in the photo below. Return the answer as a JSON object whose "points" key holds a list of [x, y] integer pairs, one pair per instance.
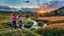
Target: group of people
{"points": [[16, 19]]}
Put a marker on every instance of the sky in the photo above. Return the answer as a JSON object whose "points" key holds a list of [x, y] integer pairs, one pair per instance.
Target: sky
{"points": [[15, 2], [21, 3], [49, 4]]}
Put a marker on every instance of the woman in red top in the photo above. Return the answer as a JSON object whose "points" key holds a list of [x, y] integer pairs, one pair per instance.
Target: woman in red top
{"points": [[14, 20]]}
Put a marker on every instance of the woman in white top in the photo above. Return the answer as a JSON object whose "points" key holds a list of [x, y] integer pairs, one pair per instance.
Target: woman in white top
{"points": [[20, 21]]}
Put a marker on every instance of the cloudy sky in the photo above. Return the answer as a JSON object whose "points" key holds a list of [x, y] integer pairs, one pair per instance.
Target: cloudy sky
{"points": [[49, 4], [18, 3], [21, 3]]}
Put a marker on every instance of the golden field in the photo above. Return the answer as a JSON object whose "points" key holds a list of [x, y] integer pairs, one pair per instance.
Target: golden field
{"points": [[53, 18], [56, 26]]}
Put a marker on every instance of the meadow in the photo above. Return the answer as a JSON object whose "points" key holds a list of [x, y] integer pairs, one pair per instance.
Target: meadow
{"points": [[54, 28], [6, 21]]}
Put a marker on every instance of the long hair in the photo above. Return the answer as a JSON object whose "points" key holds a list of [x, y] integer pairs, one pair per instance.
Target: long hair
{"points": [[20, 15], [13, 14]]}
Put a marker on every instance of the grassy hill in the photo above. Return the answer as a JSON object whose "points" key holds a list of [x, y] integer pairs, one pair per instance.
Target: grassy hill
{"points": [[6, 22]]}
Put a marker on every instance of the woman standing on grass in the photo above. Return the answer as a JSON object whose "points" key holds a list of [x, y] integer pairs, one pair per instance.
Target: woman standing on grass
{"points": [[14, 21], [20, 21]]}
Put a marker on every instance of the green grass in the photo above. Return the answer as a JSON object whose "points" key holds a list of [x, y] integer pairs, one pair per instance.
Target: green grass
{"points": [[18, 33], [6, 22], [49, 32], [25, 20]]}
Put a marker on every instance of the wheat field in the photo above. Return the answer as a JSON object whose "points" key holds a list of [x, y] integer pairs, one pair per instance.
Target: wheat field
{"points": [[53, 18]]}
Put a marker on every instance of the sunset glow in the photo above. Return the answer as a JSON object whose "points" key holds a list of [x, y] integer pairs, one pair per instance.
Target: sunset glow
{"points": [[40, 11], [47, 10]]}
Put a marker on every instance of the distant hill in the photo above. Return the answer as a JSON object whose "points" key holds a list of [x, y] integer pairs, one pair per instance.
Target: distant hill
{"points": [[61, 8], [58, 12], [2, 7], [28, 9], [7, 8]]}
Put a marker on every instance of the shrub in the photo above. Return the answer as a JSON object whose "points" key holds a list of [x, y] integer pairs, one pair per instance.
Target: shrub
{"points": [[40, 23], [27, 16], [45, 21], [33, 18], [49, 32], [28, 25]]}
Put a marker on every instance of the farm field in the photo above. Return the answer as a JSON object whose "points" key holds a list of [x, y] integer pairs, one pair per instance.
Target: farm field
{"points": [[56, 26], [53, 18]]}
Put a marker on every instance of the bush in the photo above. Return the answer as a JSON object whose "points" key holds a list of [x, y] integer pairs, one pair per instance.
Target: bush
{"points": [[27, 16], [40, 23], [28, 25], [49, 32], [44, 21], [33, 18]]}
